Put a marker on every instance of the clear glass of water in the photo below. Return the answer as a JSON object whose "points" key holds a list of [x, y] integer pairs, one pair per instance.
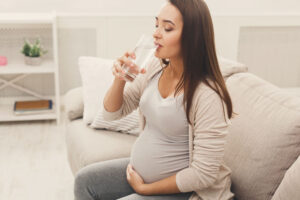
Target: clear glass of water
{"points": [[143, 50]]}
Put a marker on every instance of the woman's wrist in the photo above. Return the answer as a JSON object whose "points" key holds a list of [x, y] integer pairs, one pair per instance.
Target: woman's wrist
{"points": [[144, 189], [119, 82]]}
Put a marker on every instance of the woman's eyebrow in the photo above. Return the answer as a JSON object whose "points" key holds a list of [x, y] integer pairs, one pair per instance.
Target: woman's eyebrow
{"points": [[165, 20]]}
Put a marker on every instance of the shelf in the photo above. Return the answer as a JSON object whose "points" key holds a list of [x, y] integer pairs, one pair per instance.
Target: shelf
{"points": [[19, 67], [26, 18], [7, 114], [14, 27]]}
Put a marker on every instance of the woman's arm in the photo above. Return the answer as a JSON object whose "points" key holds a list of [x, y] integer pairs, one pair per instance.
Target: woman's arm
{"points": [[164, 186], [210, 131], [113, 99], [118, 101]]}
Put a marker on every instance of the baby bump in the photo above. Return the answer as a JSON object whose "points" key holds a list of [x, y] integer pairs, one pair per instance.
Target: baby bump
{"points": [[155, 158]]}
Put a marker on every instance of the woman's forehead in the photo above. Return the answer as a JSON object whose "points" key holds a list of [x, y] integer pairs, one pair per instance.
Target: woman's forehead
{"points": [[170, 12]]}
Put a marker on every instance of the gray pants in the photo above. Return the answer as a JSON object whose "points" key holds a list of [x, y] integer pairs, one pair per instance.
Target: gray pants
{"points": [[107, 181]]}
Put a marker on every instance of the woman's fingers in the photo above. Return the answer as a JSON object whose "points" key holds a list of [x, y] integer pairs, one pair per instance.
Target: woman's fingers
{"points": [[143, 71], [128, 78], [129, 65], [130, 54], [117, 74], [127, 62], [127, 173], [117, 70], [126, 68]]}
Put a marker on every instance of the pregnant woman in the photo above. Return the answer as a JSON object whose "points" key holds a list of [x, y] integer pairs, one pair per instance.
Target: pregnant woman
{"points": [[185, 110]]}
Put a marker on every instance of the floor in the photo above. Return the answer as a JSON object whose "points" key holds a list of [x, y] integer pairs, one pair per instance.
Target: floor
{"points": [[33, 162]]}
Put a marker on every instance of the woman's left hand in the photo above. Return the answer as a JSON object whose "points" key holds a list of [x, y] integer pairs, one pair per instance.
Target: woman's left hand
{"points": [[135, 180]]}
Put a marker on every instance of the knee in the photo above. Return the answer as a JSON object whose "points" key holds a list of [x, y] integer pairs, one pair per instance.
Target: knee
{"points": [[133, 196], [81, 185]]}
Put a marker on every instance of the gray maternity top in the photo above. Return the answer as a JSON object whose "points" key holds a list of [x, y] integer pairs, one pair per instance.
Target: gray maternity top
{"points": [[161, 150]]}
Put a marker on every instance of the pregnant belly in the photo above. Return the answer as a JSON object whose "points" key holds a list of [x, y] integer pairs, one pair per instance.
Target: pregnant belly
{"points": [[155, 159]]}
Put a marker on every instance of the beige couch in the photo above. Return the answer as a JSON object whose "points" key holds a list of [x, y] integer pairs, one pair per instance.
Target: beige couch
{"points": [[263, 145]]}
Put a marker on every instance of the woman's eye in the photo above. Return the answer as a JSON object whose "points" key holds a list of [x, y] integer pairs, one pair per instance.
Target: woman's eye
{"points": [[166, 29]]}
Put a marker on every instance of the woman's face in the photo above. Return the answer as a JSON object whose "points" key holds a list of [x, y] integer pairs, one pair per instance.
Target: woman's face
{"points": [[168, 32]]}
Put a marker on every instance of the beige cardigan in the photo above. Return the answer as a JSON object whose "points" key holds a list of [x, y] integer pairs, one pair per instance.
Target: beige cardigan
{"points": [[207, 174]]}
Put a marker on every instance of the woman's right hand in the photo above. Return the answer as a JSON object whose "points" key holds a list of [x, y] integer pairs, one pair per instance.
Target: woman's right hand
{"points": [[120, 73]]}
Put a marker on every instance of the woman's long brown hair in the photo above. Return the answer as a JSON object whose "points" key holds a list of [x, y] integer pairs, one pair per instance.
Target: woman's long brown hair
{"points": [[199, 54]]}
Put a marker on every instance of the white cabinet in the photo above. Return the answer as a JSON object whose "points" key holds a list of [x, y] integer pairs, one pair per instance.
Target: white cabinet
{"points": [[14, 28]]}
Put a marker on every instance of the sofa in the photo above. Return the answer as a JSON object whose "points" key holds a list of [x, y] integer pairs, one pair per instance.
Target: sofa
{"points": [[262, 149]]}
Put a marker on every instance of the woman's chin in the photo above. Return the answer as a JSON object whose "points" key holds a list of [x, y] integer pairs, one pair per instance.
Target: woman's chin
{"points": [[158, 55]]}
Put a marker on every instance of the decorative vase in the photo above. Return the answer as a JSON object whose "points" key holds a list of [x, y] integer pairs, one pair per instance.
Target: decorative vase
{"points": [[34, 61], [3, 61]]}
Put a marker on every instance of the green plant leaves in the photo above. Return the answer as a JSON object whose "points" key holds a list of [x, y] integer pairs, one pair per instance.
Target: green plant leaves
{"points": [[26, 49], [33, 50]]}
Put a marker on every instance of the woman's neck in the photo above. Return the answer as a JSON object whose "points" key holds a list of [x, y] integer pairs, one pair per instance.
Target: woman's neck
{"points": [[175, 68]]}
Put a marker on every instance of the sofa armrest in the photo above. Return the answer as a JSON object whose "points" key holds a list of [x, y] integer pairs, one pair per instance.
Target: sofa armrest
{"points": [[73, 101]]}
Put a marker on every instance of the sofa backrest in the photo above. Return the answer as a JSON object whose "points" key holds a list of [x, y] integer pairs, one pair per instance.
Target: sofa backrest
{"points": [[264, 138]]}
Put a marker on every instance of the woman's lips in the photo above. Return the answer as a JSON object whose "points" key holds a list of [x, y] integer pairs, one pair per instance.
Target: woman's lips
{"points": [[158, 45]]}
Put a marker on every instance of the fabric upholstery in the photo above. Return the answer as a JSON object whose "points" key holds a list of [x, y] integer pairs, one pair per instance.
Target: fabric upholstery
{"points": [[229, 67], [73, 102], [86, 146], [96, 77], [264, 138], [128, 124], [289, 188]]}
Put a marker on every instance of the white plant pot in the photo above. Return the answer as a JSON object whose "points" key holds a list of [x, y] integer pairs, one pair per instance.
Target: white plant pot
{"points": [[34, 61]]}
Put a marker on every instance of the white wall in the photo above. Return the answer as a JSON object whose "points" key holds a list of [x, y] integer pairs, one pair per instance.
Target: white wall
{"points": [[147, 6], [81, 6], [254, 7]]}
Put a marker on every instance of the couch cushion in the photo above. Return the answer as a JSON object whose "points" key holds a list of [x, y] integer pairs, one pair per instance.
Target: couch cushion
{"points": [[86, 145], [229, 67], [289, 188], [73, 103], [264, 138]]}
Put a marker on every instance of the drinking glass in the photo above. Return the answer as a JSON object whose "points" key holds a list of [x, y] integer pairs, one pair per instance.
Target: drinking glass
{"points": [[143, 50]]}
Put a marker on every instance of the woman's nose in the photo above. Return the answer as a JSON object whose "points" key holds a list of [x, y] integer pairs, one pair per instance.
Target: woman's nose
{"points": [[156, 34]]}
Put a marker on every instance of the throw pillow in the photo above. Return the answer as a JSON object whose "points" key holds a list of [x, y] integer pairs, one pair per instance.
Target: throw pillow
{"points": [[96, 77], [128, 124]]}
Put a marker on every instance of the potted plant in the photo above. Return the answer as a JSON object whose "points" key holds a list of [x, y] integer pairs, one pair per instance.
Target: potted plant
{"points": [[33, 52]]}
